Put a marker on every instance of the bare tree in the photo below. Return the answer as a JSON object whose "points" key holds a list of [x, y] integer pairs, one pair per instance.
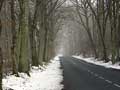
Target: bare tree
{"points": [[1, 54]]}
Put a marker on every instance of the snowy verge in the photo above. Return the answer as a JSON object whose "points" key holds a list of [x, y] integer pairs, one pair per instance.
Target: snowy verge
{"points": [[49, 78], [100, 63]]}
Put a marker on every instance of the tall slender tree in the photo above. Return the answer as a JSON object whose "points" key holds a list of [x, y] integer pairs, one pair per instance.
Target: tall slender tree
{"points": [[1, 53], [23, 37]]}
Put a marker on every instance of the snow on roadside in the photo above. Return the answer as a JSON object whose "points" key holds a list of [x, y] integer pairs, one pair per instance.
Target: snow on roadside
{"points": [[48, 79], [100, 63]]}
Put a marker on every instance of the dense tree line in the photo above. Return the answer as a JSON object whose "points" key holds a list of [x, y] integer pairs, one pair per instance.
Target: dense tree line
{"points": [[101, 21], [27, 32]]}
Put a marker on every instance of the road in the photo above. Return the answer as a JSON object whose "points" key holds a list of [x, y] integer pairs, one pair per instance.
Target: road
{"points": [[79, 75]]}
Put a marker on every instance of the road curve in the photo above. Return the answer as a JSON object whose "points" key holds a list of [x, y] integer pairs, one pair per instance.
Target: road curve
{"points": [[79, 75]]}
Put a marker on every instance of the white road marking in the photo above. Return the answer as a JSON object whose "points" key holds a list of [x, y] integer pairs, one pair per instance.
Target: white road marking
{"points": [[88, 70], [100, 77], [109, 81], [92, 72], [116, 85], [96, 75]]}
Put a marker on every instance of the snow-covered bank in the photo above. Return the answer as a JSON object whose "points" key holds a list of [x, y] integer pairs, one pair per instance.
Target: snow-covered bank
{"points": [[101, 63], [48, 79]]}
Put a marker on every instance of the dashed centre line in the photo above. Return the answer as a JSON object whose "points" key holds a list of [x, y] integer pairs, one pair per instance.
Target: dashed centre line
{"points": [[117, 85], [100, 77], [109, 81]]}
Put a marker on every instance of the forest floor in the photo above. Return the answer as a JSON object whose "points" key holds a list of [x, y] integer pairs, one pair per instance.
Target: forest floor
{"points": [[47, 78], [99, 62]]}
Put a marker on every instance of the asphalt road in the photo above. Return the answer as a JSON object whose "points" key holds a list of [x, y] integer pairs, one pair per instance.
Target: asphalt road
{"points": [[79, 75]]}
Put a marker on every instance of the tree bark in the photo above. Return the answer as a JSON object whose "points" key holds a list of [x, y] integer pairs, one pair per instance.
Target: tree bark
{"points": [[14, 38], [23, 65], [1, 53]]}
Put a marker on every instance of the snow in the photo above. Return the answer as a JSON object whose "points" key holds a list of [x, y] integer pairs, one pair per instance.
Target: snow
{"points": [[49, 78], [100, 63]]}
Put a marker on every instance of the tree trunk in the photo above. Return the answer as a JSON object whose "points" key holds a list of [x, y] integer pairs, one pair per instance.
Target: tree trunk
{"points": [[14, 38], [1, 54], [23, 37], [34, 51], [1, 65]]}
